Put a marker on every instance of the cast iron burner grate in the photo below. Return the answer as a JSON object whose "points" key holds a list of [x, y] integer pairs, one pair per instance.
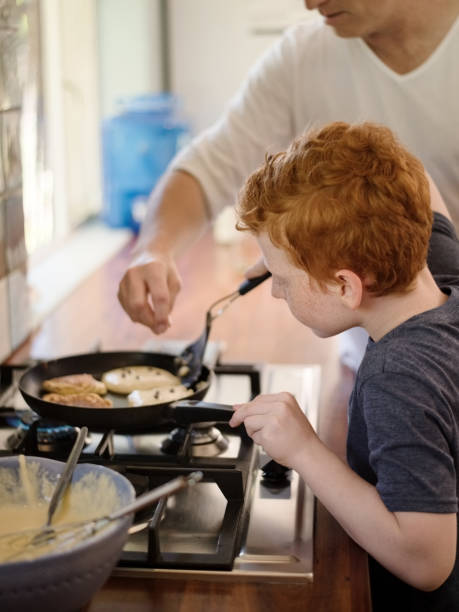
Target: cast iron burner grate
{"points": [[233, 477]]}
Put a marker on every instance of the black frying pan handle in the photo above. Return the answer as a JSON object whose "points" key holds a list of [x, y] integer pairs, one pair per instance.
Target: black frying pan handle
{"points": [[194, 411], [251, 283]]}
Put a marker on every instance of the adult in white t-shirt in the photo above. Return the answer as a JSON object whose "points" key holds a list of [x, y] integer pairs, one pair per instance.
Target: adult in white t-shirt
{"points": [[391, 62]]}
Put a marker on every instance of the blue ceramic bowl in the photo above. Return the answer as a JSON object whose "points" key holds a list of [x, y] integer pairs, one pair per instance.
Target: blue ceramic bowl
{"points": [[66, 581]]}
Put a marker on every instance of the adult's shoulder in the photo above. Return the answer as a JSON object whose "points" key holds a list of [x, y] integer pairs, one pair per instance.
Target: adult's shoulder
{"points": [[296, 42]]}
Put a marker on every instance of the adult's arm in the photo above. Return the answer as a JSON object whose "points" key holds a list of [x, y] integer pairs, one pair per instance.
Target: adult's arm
{"points": [[202, 180], [176, 217]]}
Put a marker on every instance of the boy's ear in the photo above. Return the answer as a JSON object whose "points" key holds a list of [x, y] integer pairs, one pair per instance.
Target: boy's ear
{"points": [[349, 287]]}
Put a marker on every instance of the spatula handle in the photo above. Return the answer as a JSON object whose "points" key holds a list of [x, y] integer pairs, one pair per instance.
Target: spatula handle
{"points": [[146, 499], [251, 283]]}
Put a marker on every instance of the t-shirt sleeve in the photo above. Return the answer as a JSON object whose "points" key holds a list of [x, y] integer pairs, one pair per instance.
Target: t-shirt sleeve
{"points": [[258, 120], [408, 439], [443, 255]]}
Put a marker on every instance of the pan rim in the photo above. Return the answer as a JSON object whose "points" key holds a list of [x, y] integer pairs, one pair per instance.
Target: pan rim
{"points": [[47, 410]]}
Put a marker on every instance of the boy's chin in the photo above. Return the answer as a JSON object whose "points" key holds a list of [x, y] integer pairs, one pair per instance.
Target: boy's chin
{"points": [[328, 333], [321, 333]]}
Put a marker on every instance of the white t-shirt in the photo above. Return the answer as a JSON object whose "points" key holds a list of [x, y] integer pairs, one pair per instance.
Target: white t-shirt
{"points": [[312, 77]]}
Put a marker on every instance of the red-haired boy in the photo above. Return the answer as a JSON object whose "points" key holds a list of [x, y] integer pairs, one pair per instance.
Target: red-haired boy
{"points": [[344, 221]]}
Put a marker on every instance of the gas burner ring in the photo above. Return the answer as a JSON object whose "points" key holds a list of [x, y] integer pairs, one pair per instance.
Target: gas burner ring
{"points": [[43, 436], [206, 440]]}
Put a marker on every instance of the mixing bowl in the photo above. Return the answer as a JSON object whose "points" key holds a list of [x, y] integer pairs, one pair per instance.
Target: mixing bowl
{"points": [[64, 580]]}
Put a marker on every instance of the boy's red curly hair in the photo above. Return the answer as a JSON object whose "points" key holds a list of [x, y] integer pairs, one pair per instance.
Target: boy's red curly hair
{"points": [[344, 197]]}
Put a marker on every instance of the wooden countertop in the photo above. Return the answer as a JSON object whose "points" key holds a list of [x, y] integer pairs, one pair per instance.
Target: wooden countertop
{"points": [[255, 328]]}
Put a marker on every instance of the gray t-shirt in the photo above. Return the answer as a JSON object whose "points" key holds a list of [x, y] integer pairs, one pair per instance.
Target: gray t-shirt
{"points": [[404, 409]]}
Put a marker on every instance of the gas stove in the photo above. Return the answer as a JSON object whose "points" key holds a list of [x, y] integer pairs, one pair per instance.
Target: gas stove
{"points": [[249, 518]]}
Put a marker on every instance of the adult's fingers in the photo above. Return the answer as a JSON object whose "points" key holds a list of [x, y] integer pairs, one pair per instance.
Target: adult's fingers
{"points": [[147, 293], [158, 289], [174, 283], [133, 297], [163, 290]]}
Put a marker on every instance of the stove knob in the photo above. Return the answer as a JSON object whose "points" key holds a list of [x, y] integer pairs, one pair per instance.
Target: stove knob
{"points": [[174, 442], [275, 474]]}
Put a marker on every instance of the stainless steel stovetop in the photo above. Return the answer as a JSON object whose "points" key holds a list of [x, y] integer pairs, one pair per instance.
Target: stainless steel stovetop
{"points": [[276, 539]]}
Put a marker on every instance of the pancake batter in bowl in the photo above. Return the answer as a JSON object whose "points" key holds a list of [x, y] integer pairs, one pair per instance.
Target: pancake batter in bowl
{"points": [[25, 495]]}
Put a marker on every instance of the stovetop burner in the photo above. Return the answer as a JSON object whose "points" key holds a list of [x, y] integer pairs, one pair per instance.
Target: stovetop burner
{"points": [[206, 440], [33, 436]]}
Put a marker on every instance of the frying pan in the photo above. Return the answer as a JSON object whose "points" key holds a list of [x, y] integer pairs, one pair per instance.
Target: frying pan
{"points": [[121, 416], [134, 418]]}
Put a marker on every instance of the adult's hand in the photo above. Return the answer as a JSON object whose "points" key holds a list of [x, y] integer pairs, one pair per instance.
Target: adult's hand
{"points": [[176, 217], [148, 290], [277, 423]]}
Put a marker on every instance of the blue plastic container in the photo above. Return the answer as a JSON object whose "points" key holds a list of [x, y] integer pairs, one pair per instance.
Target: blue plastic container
{"points": [[138, 145]]}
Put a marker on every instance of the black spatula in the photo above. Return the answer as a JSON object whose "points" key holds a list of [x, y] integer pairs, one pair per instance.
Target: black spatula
{"points": [[189, 362]]}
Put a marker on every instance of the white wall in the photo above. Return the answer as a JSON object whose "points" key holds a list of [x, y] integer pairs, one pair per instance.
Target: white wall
{"points": [[71, 103], [129, 50]]}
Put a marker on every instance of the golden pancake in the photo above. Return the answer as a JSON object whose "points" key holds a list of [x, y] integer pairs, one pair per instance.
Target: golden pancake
{"points": [[132, 378], [84, 400], [74, 383]]}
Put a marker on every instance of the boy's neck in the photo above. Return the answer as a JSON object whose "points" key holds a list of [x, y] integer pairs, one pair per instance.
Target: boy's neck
{"points": [[380, 315]]}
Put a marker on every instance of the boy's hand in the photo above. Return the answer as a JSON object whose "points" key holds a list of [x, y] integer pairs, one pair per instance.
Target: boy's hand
{"points": [[277, 423]]}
